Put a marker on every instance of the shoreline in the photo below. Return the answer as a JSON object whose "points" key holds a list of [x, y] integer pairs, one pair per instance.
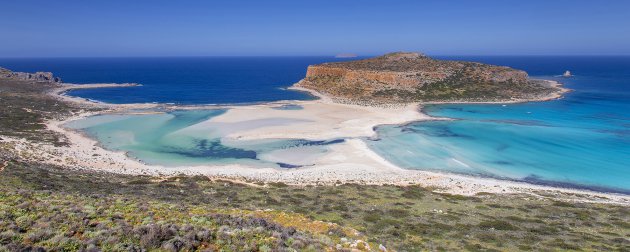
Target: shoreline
{"points": [[552, 96], [330, 171], [60, 91]]}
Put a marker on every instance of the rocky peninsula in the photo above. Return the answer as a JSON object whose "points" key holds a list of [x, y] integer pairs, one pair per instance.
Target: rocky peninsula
{"points": [[404, 77], [37, 76]]}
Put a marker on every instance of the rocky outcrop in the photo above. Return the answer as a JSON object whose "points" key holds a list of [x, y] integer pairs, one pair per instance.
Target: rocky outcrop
{"points": [[346, 55], [408, 77], [38, 76]]}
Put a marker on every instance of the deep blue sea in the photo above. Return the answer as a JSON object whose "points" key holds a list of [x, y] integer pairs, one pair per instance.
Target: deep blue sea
{"points": [[582, 140], [190, 80]]}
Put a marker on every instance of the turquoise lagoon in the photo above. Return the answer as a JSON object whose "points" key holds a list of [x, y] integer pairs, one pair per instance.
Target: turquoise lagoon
{"points": [[178, 138], [580, 141]]}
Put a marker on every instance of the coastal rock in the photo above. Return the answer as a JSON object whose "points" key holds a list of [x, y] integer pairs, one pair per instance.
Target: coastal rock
{"points": [[567, 74], [346, 55], [38, 76], [410, 77]]}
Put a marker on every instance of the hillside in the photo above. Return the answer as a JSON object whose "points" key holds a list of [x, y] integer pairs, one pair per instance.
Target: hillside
{"points": [[412, 77]]}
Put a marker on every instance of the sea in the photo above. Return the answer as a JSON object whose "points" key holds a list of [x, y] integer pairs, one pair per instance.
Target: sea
{"points": [[579, 141]]}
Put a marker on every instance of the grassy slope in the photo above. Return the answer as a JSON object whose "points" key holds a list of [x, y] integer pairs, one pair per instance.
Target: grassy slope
{"points": [[55, 207], [25, 106]]}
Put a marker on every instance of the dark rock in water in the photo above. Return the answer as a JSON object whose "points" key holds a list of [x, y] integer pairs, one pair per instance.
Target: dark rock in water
{"points": [[567, 74], [285, 165], [322, 142], [211, 149], [501, 162], [289, 107]]}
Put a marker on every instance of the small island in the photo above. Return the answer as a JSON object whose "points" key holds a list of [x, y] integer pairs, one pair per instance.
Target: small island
{"points": [[567, 73], [404, 77]]}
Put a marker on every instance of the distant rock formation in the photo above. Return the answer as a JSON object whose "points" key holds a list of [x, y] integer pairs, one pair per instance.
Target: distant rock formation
{"points": [[38, 76], [346, 55], [567, 74], [410, 77]]}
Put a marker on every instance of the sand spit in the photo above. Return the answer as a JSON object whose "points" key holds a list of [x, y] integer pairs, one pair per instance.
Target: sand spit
{"points": [[60, 93], [317, 120]]}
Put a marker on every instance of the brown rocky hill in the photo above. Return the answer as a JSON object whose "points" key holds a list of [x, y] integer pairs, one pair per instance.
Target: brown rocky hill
{"points": [[38, 76], [411, 77]]}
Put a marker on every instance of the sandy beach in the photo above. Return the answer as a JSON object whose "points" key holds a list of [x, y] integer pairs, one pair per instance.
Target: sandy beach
{"points": [[348, 162]]}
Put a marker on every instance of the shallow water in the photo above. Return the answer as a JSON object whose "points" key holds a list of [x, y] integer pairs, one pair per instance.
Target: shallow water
{"points": [[289, 107], [187, 138]]}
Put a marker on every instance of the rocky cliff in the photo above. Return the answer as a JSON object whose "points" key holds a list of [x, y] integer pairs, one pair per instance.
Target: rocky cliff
{"points": [[38, 76], [410, 77]]}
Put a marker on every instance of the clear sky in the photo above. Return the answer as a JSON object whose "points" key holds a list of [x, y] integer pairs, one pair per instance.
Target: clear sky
{"points": [[71, 28]]}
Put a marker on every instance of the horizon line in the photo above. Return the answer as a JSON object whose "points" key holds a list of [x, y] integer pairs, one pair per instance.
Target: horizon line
{"points": [[293, 56]]}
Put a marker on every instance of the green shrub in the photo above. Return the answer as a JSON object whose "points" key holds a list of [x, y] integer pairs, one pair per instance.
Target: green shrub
{"points": [[497, 225]]}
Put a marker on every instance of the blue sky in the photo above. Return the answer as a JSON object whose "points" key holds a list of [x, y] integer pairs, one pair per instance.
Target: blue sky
{"points": [[113, 28]]}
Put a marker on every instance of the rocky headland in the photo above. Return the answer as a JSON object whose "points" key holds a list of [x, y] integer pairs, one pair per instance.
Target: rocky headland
{"points": [[413, 77], [37, 76]]}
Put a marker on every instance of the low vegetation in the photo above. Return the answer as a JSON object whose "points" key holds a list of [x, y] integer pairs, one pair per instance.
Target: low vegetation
{"points": [[61, 209], [25, 107]]}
